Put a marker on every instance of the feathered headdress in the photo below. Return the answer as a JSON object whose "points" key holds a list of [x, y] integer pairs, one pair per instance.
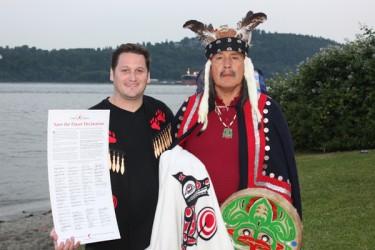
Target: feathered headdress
{"points": [[223, 39]]}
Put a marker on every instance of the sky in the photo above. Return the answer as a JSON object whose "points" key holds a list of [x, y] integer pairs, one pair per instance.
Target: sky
{"points": [[65, 24]]}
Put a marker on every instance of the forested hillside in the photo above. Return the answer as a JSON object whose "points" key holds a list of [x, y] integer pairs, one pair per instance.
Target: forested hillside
{"points": [[270, 52]]}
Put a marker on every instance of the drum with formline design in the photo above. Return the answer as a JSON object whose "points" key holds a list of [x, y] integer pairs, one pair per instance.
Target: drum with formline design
{"points": [[259, 218]]}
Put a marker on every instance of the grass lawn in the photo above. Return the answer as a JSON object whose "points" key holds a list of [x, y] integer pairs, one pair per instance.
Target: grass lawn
{"points": [[338, 200]]}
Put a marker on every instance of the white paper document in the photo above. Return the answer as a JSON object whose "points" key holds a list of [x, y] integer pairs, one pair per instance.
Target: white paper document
{"points": [[78, 176]]}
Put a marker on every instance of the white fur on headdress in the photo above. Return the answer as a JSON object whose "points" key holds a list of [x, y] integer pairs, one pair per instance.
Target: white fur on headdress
{"points": [[252, 87], [203, 107], [207, 34]]}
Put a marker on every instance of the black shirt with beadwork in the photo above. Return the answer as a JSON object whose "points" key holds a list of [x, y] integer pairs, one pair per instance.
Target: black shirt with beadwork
{"points": [[133, 171]]}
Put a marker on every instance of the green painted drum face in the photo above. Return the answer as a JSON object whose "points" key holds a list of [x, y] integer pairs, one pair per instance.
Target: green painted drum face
{"points": [[258, 218]]}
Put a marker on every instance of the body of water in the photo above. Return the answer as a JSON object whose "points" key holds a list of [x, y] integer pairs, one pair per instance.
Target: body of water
{"points": [[23, 135]]}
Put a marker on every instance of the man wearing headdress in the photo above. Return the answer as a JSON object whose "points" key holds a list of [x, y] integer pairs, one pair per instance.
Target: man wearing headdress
{"points": [[238, 132], [231, 137]]}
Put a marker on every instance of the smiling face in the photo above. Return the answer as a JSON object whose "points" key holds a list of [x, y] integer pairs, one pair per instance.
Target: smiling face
{"points": [[130, 77], [227, 71]]}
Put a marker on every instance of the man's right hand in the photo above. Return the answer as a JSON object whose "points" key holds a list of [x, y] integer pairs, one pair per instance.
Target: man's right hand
{"points": [[68, 245]]}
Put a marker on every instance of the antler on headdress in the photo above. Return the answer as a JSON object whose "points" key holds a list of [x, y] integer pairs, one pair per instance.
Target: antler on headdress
{"points": [[248, 23], [205, 33]]}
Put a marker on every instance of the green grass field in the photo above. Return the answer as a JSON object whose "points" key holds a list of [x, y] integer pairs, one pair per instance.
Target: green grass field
{"points": [[338, 200]]}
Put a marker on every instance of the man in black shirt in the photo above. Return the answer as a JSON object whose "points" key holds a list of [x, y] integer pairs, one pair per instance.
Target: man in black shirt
{"points": [[139, 131]]}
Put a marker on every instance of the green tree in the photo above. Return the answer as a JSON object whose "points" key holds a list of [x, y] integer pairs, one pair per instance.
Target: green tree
{"points": [[329, 101]]}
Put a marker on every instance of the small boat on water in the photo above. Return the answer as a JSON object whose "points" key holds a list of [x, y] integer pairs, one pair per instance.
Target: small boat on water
{"points": [[188, 78]]}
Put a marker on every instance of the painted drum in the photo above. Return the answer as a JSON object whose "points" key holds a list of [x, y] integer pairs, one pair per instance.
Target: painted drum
{"points": [[259, 218]]}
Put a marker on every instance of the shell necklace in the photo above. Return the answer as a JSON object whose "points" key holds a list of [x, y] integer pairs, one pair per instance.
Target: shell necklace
{"points": [[227, 132]]}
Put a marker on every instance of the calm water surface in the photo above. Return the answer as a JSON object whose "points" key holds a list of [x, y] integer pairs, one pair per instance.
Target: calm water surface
{"points": [[23, 135]]}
